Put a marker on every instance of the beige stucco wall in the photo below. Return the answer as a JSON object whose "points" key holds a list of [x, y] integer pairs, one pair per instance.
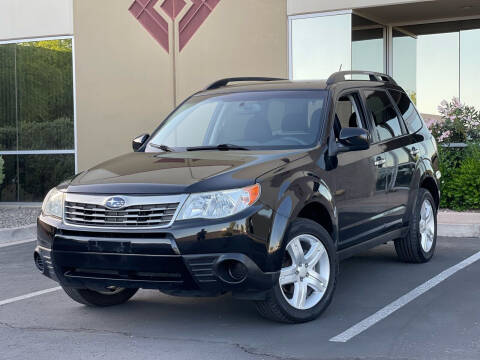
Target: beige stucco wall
{"points": [[295, 7], [20, 19], [240, 38], [124, 79]]}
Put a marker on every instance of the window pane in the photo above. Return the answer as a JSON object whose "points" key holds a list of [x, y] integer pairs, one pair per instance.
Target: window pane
{"points": [[367, 45], [383, 115], [437, 70], [39, 173], [8, 178], [405, 63], [409, 114], [320, 46], [45, 95], [8, 121], [346, 112], [469, 67]]}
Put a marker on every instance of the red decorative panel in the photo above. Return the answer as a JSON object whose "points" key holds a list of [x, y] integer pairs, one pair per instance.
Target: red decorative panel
{"points": [[151, 20], [156, 24], [193, 19], [173, 7]]}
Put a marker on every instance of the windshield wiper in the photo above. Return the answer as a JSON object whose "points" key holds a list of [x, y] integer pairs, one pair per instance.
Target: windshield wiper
{"points": [[223, 147], [162, 147]]}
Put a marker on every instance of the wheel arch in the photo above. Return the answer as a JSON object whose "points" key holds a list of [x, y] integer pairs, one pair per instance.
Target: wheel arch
{"points": [[316, 204], [317, 212], [430, 184]]}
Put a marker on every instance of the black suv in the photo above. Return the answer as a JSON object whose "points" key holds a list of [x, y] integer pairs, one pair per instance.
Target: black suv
{"points": [[258, 189]]}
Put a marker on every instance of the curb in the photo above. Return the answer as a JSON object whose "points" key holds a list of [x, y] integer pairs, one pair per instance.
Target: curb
{"points": [[17, 234], [458, 230]]}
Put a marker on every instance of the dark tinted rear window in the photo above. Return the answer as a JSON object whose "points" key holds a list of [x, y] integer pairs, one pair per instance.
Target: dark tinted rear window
{"points": [[409, 114], [383, 114]]}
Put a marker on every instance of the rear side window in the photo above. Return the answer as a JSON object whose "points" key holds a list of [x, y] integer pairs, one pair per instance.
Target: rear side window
{"points": [[383, 115], [409, 114]]}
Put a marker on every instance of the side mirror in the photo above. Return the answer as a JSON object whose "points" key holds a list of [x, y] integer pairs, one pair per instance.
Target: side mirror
{"points": [[139, 141], [352, 139]]}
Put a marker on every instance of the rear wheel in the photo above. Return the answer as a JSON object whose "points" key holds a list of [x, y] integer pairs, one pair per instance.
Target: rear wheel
{"points": [[307, 277], [418, 245], [109, 297]]}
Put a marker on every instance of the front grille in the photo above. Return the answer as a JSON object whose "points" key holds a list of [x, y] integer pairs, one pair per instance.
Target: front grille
{"points": [[131, 216]]}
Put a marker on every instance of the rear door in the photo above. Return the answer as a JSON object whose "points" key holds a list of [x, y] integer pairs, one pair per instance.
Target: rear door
{"points": [[392, 159]]}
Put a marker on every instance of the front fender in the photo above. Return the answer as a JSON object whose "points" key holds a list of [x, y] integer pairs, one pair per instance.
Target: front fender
{"points": [[288, 193]]}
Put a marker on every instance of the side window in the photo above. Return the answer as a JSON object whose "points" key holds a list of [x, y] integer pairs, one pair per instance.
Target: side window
{"points": [[383, 114], [413, 121], [347, 113]]}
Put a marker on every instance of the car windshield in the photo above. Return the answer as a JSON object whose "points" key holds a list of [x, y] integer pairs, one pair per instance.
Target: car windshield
{"points": [[243, 121]]}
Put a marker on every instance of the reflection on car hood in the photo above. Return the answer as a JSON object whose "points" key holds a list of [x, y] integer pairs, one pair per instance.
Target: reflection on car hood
{"points": [[182, 172]]}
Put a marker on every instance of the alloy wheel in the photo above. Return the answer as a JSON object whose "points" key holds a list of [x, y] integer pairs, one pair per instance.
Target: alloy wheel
{"points": [[305, 272], [427, 226]]}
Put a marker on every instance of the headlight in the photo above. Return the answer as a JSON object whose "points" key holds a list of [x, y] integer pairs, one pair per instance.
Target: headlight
{"points": [[53, 204], [218, 204]]}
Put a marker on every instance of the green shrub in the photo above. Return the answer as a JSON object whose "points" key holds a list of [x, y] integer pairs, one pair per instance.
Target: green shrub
{"points": [[460, 177]]}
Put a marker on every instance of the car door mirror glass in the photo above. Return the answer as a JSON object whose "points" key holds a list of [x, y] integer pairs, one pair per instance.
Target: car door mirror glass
{"points": [[139, 141], [353, 139]]}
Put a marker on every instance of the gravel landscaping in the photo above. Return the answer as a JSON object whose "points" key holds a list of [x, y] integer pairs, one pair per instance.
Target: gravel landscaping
{"points": [[12, 217]]}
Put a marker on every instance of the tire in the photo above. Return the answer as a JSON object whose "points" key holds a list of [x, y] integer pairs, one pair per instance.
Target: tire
{"points": [[277, 305], [413, 248], [94, 298]]}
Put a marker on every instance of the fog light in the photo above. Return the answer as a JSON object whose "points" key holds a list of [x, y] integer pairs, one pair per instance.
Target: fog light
{"points": [[237, 271]]}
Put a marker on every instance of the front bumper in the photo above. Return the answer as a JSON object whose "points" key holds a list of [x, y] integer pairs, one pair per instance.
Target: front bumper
{"points": [[194, 257]]}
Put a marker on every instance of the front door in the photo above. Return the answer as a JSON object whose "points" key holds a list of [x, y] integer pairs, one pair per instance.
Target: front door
{"points": [[357, 178]]}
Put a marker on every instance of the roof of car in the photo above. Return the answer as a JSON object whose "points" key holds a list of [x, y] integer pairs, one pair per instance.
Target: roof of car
{"points": [[269, 86], [249, 84]]}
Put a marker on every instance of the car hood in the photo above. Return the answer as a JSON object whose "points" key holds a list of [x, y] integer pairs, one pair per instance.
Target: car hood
{"points": [[178, 172]]}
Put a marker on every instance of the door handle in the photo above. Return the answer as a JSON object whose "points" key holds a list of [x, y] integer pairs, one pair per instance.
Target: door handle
{"points": [[379, 161], [414, 151]]}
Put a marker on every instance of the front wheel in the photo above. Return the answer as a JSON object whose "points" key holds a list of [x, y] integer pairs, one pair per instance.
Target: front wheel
{"points": [[109, 297], [307, 278]]}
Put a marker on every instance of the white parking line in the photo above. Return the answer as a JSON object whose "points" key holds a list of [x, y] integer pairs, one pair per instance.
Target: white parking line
{"points": [[28, 296], [16, 242], [404, 300]]}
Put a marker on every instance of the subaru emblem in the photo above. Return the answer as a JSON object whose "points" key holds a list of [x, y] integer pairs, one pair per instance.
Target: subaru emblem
{"points": [[115, 202]]}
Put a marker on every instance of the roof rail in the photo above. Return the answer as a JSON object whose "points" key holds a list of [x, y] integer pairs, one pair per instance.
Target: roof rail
{"points": [[373, 76], [223, 82]]}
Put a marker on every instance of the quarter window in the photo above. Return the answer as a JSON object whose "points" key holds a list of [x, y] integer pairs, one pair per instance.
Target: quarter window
{"points": [[413, 121], [383, 115], [347, 113]]}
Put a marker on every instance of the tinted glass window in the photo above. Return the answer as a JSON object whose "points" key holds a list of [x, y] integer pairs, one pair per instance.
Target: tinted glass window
{"points": [[347, 113], [406, 107], [383, 114], [261, 119]]}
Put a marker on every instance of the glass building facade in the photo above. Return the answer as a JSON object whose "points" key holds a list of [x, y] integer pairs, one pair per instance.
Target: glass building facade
{"points": [[431, 61], [37, 146]]}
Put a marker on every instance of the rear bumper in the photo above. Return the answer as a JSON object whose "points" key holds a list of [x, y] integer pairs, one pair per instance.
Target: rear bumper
{"points": [[149, 260]]}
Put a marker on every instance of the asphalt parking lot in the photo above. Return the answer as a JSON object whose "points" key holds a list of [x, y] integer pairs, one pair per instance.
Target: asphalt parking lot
{"points": [[441, 323]]}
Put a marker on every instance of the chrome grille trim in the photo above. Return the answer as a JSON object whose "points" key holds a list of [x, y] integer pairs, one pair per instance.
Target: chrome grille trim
{"points": [[139, 212]]}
